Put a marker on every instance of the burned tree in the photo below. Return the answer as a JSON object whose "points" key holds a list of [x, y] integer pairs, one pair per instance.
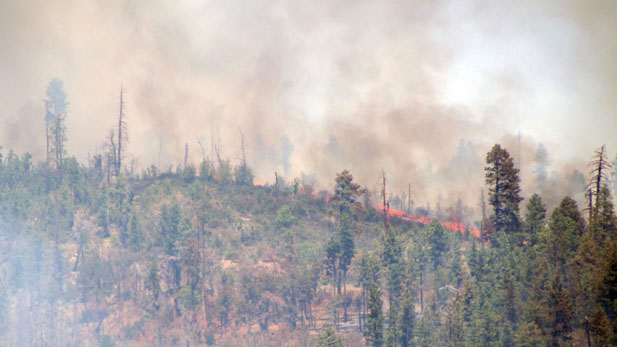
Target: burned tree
{"points": [[122, 134], [386, 204], [600, 167]]}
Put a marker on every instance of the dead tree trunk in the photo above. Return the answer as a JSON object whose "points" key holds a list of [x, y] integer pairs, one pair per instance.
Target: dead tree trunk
{"points": [[386, 207], [121, 132]]}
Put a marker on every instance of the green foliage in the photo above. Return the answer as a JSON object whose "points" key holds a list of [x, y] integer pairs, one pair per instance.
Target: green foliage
{"points": [[407, 320], [284, 218], [561, 313], [173, 226], [346, 243], [328, 338], [566, 225], [243, 175], [503, 180], [603, 226], [189, 174], [535, 221], [607, 293], [153, 284], [393, 331], [198, 256], [375, 320], [95, 278], [346, 192], [530, 335], [436, 241]]}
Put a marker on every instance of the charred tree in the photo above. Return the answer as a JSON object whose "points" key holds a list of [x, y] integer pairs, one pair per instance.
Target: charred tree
{"points": [[186, 154], [386, 204], [122, 133], [600, 167]]}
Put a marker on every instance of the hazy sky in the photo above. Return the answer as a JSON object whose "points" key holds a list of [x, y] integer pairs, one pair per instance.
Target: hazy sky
{"points": [[362, 85]]}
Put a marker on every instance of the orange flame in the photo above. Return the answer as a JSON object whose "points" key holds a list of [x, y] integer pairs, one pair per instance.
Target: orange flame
{"points": [[452, 225]]}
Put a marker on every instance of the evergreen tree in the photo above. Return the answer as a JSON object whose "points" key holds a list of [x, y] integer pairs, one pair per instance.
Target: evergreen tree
{"points": [[333, 250], [427, 331], [347, 246], [375, 319], [369, 275], [393, 261], [607, 288], [393, 332], [599, 327], [454, 321], [436, 241], [561, 313], [476, 262], [55, 107], [328, 338], [603, 226], [153, 284], [566, 228], [407, 320], [530, 335], [535, 220], [346, 192], [173, 226], [502, 177]]}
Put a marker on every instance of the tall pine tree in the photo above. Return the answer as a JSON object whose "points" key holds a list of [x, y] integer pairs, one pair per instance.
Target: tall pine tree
{"points": [[502, 177]]}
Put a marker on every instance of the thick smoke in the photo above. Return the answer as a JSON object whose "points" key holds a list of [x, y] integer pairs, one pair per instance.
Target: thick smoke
{"points": [[359, 85]]}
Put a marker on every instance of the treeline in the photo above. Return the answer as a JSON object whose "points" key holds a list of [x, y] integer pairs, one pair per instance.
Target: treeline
{"points": [[97, 254]]}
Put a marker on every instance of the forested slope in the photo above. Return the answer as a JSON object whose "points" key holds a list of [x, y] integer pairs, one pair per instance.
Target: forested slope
{"points": [[205, 257]]}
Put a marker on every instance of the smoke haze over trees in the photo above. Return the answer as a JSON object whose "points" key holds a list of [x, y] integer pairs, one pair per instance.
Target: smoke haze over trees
{"points": [[413, 173], [419, 78]]}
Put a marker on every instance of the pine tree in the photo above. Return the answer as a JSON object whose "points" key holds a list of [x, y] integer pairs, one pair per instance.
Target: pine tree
{"points": [[584, 270], [607, 287], [375, 319], [561, 313], [333, 250], [530, 335], [603, 226], [328, 338], [393, 261], [566, 228], [535, 220], [346, 192], [407, 320], [347, 247], [502, 177], [454, 321], [599, 327], [393, 332], [153, 284], [55, 107], [436, 241], [369, 275]]}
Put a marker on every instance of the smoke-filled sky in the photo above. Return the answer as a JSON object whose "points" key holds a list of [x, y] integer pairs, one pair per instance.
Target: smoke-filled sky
{"points": [[362, 85]]}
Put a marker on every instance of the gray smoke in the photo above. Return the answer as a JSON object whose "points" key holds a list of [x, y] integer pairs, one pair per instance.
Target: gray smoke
{"points": [[362, 85]]}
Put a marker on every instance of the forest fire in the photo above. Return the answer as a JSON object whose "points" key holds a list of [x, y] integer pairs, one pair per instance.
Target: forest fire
{"points": [[452, 225]]}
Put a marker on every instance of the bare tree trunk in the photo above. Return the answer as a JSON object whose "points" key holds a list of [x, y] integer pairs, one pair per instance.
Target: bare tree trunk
{"points": [[386, 207], [121, 125], [186, 154]]}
